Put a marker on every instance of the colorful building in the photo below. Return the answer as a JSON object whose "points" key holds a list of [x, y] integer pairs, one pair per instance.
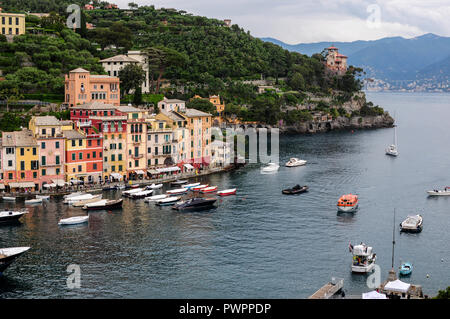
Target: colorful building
{"points": [[48, 132], [136, 146], [160, 143], [82, 87], [335, 61], [12, 23], [199, 128], [21, 155], [75, 165]]}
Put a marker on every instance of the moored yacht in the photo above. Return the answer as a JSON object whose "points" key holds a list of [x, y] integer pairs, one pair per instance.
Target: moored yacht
{"points": [[11, 216], [8, 255], [363, 258], [270, 168], [195, 204], [392, 149], [293, 162]]}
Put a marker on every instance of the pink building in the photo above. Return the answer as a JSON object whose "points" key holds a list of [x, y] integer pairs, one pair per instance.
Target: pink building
{"points": [[48, 133], [81, 87]]}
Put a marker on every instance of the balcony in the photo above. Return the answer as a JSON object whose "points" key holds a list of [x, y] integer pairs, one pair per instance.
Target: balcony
{"points": [[134, 156], [84, 124]]}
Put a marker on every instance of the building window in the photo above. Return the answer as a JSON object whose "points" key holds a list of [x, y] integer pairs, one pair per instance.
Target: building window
{"points": [[79, 168], [44, 172], [43, 160], [73, 156], [95, 166], [10, 163], [10, 176], [80, 156], [57, 145], [136, 163], [22, 165], [73, 143], [34, 151], [57, 160], [58, 171], [22, 151], [34, 174], [22, 175]]}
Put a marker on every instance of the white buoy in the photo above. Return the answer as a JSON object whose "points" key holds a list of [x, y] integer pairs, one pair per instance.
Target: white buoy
{"points": [[428, 276]]}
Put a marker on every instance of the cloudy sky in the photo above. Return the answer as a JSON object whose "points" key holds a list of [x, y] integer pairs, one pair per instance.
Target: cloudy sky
{"points": [[302, 21]]}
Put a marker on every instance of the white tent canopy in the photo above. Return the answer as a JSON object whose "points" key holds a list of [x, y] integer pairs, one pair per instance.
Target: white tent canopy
{"points": [[188, 166], [116, 176], [168, 169], [373, 295], [59, 182], [397, 286], [140, 172], [49, 185]]}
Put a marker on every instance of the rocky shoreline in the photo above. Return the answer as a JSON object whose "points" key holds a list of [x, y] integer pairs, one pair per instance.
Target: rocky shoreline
{"points": [[340, 123]]}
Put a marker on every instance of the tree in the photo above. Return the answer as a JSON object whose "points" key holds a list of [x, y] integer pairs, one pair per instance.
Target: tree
{"points": [[133, 5], [53, 21], [131, 77], [160, 58], [202, 105], [137, 97], [297, 82], [443, 294], [10, 95]]}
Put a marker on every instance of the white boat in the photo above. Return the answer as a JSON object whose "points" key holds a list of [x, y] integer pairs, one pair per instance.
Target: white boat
{"points": [[9, 199], [177, 191], [155, 186], [439, 192], [227, 192], [198, 188], [132, 191], [141, 194], [75, 199], [412, 224], [270, 168], [167, 201], [295, 162], [74, 220], [392, 149], [43, 197], [189, 186], [155, 198], [81, 203], [8, 255], [74, 194], [363, 258], [120, 186], [34, 201], [11, 216]]}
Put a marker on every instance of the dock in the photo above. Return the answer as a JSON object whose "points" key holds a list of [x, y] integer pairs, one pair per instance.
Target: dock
{"points": [[329, 289]]}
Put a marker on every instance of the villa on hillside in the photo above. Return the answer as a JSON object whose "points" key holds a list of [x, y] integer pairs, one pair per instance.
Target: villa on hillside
{"points": [[335, 61]]}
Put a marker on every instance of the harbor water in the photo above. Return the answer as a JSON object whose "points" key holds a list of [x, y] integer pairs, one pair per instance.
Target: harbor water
{"points": [[259, 243]]}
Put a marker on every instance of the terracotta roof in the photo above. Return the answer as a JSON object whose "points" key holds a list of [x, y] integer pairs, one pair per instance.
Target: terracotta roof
{"points": [[47, 120], [79, 70], [73, 134], [18, 138]]}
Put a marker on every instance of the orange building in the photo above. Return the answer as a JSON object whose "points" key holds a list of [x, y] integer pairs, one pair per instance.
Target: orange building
{"points": [[335, 61], [81, 87]]}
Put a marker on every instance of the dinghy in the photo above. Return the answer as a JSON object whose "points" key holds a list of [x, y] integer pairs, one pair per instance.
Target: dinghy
{"points": [[210, 189], [76, 194], [81, 203], [189, 186], [43, 197], [11, 216], [412, 224], [406, 269], [155, 198], [9, 199], [33, 201], [178, 183], [168, 201], [297, 189], [104, 204], [9, 255], [75, 199], [227, 192], [178, 191], [131, 192], [74, 220], [142, 194], [199, 187], [155, 186], [439, 192]]}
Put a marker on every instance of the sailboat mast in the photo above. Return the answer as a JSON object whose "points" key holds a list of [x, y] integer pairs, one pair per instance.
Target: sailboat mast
{"points": [[393, 241]]}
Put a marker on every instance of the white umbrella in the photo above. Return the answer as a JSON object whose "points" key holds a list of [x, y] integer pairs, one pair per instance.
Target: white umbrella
{"points": [[373, 295]]}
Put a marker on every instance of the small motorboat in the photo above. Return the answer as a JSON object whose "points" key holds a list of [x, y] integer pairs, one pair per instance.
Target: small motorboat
{"points": [[363, 258], [189, 186], [439, 192], [143, 194], [154, 186], [178, 183], [227, 192], [154, 198], [297, 189], [405, 269], [81, 203], [76, 194], [9, 199], [9, 255], [270, 168], [131, 192], [74, 220], [104, 204], [347, 203], [167, 201], [210, 189], [33, 201], [198, 188], [293, 162], [178, 191], [72, 200], [11, 216], [43, 197], [134, 186], [195, 204], [412, 224]]}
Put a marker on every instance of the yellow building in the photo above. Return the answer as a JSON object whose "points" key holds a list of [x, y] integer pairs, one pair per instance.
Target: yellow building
{"points": [[12, 23], [136, 141]]}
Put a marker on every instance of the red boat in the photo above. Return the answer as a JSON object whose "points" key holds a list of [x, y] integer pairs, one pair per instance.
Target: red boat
{"points": [[210, 189], [199, 187], [227, 192]]}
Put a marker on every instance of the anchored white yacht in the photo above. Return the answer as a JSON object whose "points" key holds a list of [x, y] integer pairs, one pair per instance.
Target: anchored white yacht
{"points": [[293, 162], [363, 258]]}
